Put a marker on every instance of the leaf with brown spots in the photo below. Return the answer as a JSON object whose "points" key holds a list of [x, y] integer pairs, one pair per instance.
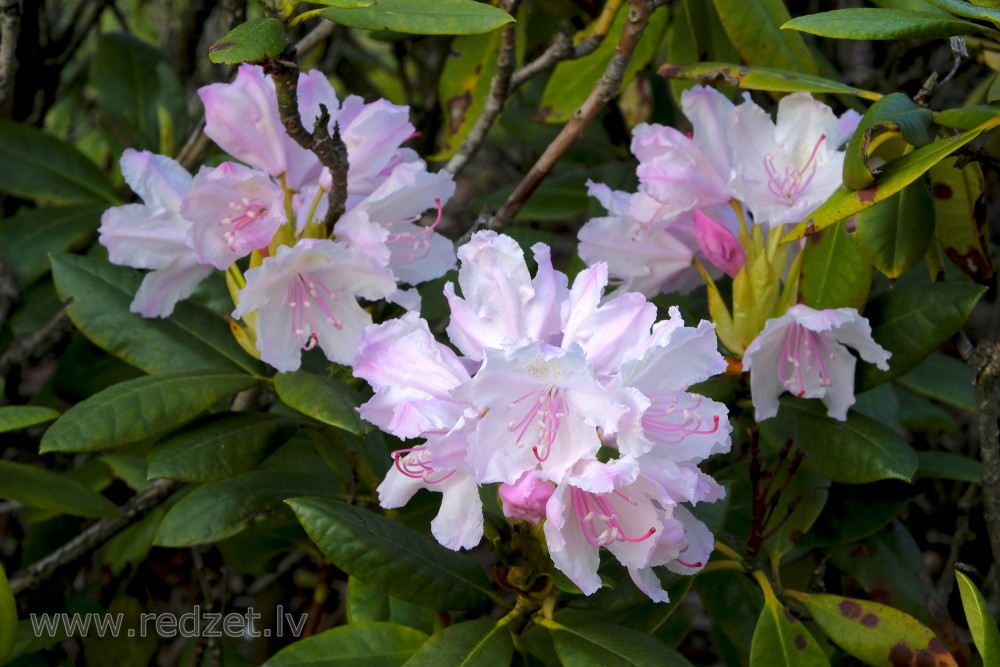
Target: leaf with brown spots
{"points": [[962, 218], [875, 633], [891, 117], [779, 638], [464, 87]]}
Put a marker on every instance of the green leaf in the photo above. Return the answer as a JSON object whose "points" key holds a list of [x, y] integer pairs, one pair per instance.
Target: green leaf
{"points": [[853, 512], [874, 633], [945, 465], [392, 557], [193, 338], [326, 399], [422, 17], [16, 417], [572, 80], [872, 23], [754, 30], [896, 233], [32, 233], [464, 87], [39, 166], [8, 618], [855, 451], [977, 614], [944, 379], [601, 644], [733, 602], [249, 42], [356, 645], [966, 118], [469, 644], [962, 218], [914, 320], [761, 78], [969, 11], [217, 510], [141, 408], [37, 487], [218, 447], [781, 639], [894, 177], [893, 115], [835, 272], [802, 500], [366, 603]]}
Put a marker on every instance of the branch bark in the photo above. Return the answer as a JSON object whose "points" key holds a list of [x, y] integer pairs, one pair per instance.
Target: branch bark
{"points": [[10, 29]]}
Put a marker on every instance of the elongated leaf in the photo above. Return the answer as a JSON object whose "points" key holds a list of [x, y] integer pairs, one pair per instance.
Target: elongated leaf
{"points": [[894, 177], [600, 644], [16, 417], [966, 118], [392, 557], [913, 321], [853, 512], [962, 218], [37, 487], [422, 17], [981, 624], [8, 618], [855, 451], [761, 78], [139, 409], [326, 399], [873, 23], [945, 465], [31, 234], [464, 86], [944, 379], [781, 639], [218, 447], [36, 165], [217, 510], [754, 30], [835, 272], [365, 603], [802, 500], [123, 73], [872, 632], [893, 115], [362, 644], [249, 42], [968, 10], [469, 644], [896, 233], [192, 338]]}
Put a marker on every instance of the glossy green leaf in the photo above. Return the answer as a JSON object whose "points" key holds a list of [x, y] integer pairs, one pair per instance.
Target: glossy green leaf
{"points": [[392, 557], [16, 417], [366, 603], [464, 87], [894, 177], [733, 602], [874, 633], [36, 165], [874, 23], [981, 624], [217, 447], [944, 379], [572, 80], [754, 30], [193, 338], [357, 645], [8, 618], [217, 510], [469, 644], [781, 639], [914, 320], [805, 496], [601, 644], [141, 408], [969, 10], [36, 487], [962, 218], [855, 511], [761, 78], [249, 42], [326, 399], [893, 115], [966, 118], [422, 17], [896, 233], [835, 272], [945, 465], [31, 234], [855, 451]]}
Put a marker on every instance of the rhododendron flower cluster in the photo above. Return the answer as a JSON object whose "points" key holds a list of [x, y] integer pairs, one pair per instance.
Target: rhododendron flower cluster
{"points": [[578, 408], [303, 280]]}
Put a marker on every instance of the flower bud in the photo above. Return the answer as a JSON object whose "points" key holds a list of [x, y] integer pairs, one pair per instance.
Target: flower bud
{"points": [[525, 499], [719, 245]]}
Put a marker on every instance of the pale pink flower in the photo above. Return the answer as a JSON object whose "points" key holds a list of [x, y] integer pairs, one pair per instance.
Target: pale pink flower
{"points": [[154, 235], [676, 172], [805, 353], [525, 499]]}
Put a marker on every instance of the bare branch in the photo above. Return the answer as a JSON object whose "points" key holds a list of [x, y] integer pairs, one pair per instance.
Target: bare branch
{"points": [[37, 343], [10, 29], [315, 37], [8, 290]]}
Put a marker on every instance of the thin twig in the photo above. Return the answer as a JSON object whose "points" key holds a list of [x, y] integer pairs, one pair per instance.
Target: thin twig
{"points": [[606, 88], [37, 343], [10, 29], [93, 537], [315, 37], [8, 290], [195, 148], [499, 89]]}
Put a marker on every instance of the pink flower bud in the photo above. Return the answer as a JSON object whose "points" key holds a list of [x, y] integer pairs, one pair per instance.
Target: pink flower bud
{"points": [[525, 499], [719, 245]]}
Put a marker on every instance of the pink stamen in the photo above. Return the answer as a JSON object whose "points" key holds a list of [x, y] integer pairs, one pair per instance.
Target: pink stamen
{"points": [[245, 213], [686, 564], [408, 247], [790, 185], [417, 465], [805, 350], [591, 510], [305, 296], [548, 408], [661, 424]]}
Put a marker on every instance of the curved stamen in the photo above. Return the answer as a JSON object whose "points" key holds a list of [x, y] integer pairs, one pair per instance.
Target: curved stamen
{"points": [[594, 512], [790, 185], [410, 246], [245, 212]]}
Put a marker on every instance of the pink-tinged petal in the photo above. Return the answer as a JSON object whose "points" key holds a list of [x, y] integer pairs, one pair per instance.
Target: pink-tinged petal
{"points": [[766, 352], [677, 356], [645, 580], [408, 299], [315, 89], [433, 256], [157, 179], [800, 123], [674, 170], [397, 489], [372, 133], [718, 244], [614, 333], [711, 115], [838, 397], [163, 288], [698, 544], [408, 192], [459, 524], [846, 125], [277, 341], [369, 238], [144, 237], [568, 547], [525, 499], [594, 476], [615, 201], [542, 311]]}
